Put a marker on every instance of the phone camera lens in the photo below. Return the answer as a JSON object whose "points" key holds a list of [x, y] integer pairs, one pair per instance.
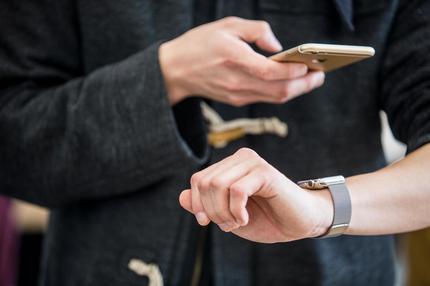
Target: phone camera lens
{"points": [[318, 61]]}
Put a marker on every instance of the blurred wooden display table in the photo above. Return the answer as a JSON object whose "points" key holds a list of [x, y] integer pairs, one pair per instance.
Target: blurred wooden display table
{"points": [[30, 218], [419, 257]]}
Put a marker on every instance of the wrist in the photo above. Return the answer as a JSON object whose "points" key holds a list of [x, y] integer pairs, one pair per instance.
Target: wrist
{"points": [[324, 212], [175, 92]]}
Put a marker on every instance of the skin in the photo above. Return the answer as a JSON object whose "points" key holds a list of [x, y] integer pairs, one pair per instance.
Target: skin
{"points": [[247, 196], [215, 61]]}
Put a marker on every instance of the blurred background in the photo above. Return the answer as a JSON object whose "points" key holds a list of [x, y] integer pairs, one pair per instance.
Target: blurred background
{"points": [[22, 228]]}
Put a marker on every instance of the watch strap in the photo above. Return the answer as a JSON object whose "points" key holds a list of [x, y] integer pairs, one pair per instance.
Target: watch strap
{"points": [[341, 210]]}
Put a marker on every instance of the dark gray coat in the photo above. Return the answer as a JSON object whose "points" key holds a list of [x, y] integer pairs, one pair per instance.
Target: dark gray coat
{"points": [[86, 130]]}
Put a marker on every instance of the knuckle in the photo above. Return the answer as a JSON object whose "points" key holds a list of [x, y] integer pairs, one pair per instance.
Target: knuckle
{"points": [[281, 99], [204, 185], [265, 172], [229, 62], [264, 73], [267, 169], [281, 94], [263, 26], [238, 196], [230, 20], [218, 183], [195, 178], [232, 100], [285, 91], [236, 191], [239, 102], [261, 163], [232, 85], [246, 152]]}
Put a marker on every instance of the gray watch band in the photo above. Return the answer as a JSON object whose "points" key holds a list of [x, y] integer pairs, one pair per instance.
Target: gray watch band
{"points": [[342, 210], [341, 202]]}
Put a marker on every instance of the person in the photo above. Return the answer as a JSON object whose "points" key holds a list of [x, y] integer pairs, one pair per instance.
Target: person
{"points": [[335, 130], [98, 101], [89, 130], [8, 244]]}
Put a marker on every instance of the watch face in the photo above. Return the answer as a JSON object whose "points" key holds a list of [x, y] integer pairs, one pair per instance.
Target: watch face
{"points": [[318, 184], [311, 184]]}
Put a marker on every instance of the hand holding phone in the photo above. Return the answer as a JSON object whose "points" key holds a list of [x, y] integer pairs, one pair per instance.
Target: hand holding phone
{"points": [[215, 61]]}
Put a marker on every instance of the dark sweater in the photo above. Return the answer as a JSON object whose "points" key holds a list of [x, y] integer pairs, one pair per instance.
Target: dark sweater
{"points": [[86, 130]]}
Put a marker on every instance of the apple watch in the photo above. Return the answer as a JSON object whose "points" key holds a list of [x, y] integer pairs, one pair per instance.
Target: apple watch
{"points": [[341, 202]]}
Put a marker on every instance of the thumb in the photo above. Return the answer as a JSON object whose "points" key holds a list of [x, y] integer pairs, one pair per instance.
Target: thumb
{"points": [[185, 200], [258, 32]]}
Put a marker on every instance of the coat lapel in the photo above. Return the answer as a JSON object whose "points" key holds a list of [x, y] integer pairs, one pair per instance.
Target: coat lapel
{"points": [[345, 9]]}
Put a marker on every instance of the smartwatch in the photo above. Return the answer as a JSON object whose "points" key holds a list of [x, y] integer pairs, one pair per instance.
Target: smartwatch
{"points": [[341, 202]]}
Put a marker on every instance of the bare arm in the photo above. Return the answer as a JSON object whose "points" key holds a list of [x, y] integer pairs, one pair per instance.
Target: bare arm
{"points": [[246, 195], [397, 198], [394, 199]]}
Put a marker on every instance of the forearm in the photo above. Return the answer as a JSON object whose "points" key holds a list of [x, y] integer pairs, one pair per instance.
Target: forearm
{"points": [[108, 133], [394, 199]]}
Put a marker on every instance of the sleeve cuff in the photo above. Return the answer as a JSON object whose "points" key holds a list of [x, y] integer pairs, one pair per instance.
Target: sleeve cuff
{"points": [[175, 136], [417, 143]]}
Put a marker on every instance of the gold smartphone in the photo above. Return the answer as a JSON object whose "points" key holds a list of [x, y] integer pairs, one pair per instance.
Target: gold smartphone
{"points": [[325, 57]]}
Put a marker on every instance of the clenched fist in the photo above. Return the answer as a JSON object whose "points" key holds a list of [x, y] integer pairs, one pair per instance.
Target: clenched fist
{"points": [[247, 196]]}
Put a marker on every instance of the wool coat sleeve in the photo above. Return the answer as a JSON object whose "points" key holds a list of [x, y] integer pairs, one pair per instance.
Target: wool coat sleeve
{"points": [[67, 135], [405, 74]]}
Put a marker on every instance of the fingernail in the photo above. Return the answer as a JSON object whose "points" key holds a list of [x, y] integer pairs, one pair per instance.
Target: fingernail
{"points": [[321, 77], [202, 218], [276, 44], [225, 226]]}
